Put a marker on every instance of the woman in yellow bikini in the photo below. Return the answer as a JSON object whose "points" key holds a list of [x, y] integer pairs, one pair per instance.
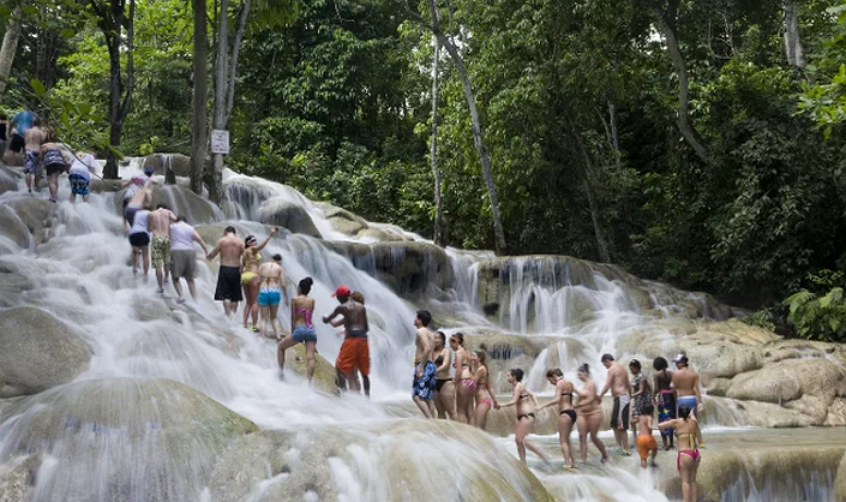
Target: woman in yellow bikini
{"points": [[250, 261]]}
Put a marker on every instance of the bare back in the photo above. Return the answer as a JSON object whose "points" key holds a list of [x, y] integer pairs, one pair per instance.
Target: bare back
{"points": [[685, 382], [34, 138], [565, 390], [618, 380], [663, 380], [230, 248], [271, 275], [424, 343], [160, 220], [644, 425], [142, 198], [300, 306], [355, 316]]}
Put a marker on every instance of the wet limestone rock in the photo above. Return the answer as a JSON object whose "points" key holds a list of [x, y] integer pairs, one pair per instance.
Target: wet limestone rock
{"points": [[377, 463], [37, 214], [840, 482], [412, 267], [13, 228], [324, 371], [169, 434], [183, 201], [342, 220], [37, 352], [286, 214], [180, 164], [8, 179], [17, 477], [13, 283]]}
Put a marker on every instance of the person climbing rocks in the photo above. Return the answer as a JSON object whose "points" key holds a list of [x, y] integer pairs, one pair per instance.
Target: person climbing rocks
{"points": [[228, 290], [183, 256], [134, 184], [83, 165], [33, 140], [18, 126], [139, 239], [273, 285], [302, 327], [250, 261], [160, 221], [355, 351], [618, 383], [56, 160]]}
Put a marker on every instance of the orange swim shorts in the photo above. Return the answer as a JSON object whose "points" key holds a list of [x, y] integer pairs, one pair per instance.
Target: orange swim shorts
{"points": [[354, 353], [645, 444]]}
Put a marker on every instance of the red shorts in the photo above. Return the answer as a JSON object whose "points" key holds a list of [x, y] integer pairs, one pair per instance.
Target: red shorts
{"points": [[354, 354]]}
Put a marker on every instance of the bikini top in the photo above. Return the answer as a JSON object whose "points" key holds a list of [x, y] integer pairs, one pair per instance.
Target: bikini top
{"points": [[307, 314], [255, 261], [691, 439]]}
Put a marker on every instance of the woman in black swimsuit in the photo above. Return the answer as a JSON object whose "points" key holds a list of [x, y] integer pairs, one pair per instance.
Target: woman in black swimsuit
{"points": [[564, 391], [444, 387], [526, 403]]}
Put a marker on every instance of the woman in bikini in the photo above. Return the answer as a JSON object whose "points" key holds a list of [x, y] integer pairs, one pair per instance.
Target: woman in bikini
{"points": [[665, 398], [302, 328], [444, 388], [250, 262], [482, 377], [564, 392], [526, 403], [588, 415], [688, 457], [465, 384]]}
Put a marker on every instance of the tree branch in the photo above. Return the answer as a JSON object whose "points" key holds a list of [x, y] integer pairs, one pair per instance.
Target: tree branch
{"points": [[126, 105]]}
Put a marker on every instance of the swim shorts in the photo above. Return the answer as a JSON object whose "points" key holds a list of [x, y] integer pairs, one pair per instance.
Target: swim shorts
{"points": [[424, 386], [620, 415], [160, 251], [690, 402], [53, 162], [354, 353], [32, 164], [646, 444], [79, 184], [139, 239], [269, 296], [303, 333], [228, 284], [17, 143]]}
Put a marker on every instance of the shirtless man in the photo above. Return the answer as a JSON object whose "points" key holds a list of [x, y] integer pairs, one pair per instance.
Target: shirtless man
{"points": [[142, 198], [355, 351], [160, 221], [230, 248], [618, 383], [686, 383], [423, 385], [33, 139]]}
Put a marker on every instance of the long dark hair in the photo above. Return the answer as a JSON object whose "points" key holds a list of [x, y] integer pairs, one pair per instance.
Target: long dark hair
{"points": [[517, 373], [555, 372], [660, 363], [684, 412], [305, 285], [585, 369]]}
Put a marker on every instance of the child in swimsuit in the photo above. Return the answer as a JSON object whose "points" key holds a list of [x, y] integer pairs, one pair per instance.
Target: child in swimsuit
{"points": [[646, 443]]}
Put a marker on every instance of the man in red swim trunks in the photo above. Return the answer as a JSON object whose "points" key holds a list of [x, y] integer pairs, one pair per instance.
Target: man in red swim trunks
{"points": [[354, 351]]}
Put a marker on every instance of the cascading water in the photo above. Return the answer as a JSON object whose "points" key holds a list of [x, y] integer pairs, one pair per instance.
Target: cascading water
{"points": [[133, 427]]}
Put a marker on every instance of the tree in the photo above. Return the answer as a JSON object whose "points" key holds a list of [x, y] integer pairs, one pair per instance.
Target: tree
{"points": [[9, 47], [112, 18], [434, 25], [199, 137], [433, 156]]}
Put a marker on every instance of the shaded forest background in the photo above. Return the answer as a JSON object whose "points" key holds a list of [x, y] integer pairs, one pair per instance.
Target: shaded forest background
{"points": [[735, 187]]}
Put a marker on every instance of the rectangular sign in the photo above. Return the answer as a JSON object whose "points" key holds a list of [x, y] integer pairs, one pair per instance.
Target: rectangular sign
{"points": [[220, 141]]}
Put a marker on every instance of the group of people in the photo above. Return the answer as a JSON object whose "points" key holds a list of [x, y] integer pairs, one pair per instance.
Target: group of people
{"points": [[43, 155]]}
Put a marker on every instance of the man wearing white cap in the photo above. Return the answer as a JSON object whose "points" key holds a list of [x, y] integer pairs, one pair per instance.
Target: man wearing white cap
{"points": [[686, 383]]}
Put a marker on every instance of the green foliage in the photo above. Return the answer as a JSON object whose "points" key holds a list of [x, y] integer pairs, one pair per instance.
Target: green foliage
{"points": [[819, 317], [761, 318], [824, 96]]}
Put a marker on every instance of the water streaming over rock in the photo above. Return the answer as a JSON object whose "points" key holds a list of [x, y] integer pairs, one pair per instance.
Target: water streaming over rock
{"points": [[170, 389]]}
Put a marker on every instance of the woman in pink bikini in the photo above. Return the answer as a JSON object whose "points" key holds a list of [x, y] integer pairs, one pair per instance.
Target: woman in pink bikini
{"points": [[465, 384], [482, 377], [688, 457]]}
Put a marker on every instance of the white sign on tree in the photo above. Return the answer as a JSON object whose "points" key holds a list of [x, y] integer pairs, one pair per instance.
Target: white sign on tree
{"points": [[220, 142]]}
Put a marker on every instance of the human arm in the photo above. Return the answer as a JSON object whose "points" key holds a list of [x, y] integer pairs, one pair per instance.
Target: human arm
{"points": [[267, 239], [339, 310], [667, 424], [214, 252], [699, 440], [292, 316], [514, 397], [641, 387], [699, 405], [337, 322], [608, 382], [199, 240], [459, 361], [446, 361], [283, 285]]}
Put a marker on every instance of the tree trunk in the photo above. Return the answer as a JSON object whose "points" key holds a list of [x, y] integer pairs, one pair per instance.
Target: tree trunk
{"points": [[9, 48], [220, 86], [612, 115], [112, 30], [233, 65], [668, 21], [198, 101], [792, 41], [601, 246], [439, 230]]}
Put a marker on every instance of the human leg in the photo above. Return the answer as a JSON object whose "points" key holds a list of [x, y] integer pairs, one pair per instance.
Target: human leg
{"points": [[448, 399], [265, 319], [311, 349], [274, 321], [145, 256], [584, 428], [594, 421], [284, 345], [480, 417], [565, 426], [191, 287], [178, 287]]}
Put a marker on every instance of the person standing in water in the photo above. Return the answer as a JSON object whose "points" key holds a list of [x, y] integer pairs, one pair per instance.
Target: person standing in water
{"points": [[423, 384], [564, 392], [135, 183], [250, 262], [646, 444], [83, 165], [302, 327], [183, 257], [484, 404], [56, 159], [465, 383], [273, 286], [589, 415], [142, 198], [139, 239], [665, 398], [526, 403], [444, 388], [33, 140], [355, 351], [686, 383], [688, 457], [641, 393], [228, 289], [160, 221], [618, 383]]}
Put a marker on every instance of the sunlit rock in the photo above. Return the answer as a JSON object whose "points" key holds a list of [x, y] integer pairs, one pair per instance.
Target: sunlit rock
{"points": [[38, 215], [13, 232], [286, 214], [37, 351]]}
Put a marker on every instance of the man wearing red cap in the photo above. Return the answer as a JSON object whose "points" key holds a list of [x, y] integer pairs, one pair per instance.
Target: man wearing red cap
{"points": [[354, 351]]}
